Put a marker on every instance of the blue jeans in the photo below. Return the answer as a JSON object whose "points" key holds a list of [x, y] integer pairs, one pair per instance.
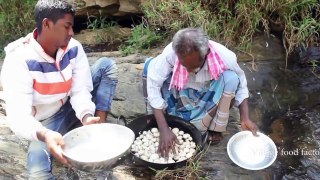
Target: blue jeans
{"points": [[105, 78]]}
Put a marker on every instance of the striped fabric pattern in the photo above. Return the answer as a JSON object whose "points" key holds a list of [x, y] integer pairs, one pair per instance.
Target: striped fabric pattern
{"points": [[45, 74], [36, 85]]}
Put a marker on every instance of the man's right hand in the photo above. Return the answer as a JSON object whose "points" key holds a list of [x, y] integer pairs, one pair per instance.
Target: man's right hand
{"points": [[89, 119], [168, 139], [167, 142], [54, 143]]}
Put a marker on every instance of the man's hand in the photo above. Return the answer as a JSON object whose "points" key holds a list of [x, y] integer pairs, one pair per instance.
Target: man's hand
{"points": [[168, 139], [167, 142], [89, 119], [246, 123], [249, 125], [54, 143]]}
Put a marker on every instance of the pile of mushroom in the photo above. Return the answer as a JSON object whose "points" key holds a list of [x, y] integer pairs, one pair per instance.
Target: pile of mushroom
{"points": [[146, 145]]}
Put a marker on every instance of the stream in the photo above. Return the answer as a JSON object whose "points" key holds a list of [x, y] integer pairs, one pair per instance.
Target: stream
{"points": [[285, 104]]}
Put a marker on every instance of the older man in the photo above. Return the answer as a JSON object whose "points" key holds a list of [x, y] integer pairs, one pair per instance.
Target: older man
{"points": [[196, 79]]}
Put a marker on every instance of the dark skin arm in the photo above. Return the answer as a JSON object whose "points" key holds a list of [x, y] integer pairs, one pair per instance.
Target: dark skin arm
{"points": [[245, 121], [167, 139], [54, 142]]}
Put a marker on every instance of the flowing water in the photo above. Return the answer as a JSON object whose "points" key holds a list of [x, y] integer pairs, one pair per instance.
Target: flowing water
{"points": [[286, 106]]}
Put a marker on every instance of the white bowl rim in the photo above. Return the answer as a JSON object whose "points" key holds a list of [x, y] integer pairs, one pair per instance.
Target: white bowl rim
{"points": [[261, 135], [92, 125]]}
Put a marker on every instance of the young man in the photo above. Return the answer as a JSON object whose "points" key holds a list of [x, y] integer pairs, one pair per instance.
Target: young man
{"points": [[196, 79], [49, 88]]}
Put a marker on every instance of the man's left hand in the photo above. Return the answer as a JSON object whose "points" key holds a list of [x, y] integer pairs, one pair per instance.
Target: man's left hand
{"points": [[249, 125], [89, 119]]}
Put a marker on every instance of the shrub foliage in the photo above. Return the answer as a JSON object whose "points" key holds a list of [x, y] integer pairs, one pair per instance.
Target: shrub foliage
{"points": [[16, 20], [234, 23]]}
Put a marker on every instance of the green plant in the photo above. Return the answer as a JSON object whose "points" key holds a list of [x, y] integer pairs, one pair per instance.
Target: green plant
{"points": [[314, 64], [16, 20], [143, 37], [234, 23], [192, 170], [99, 22]]}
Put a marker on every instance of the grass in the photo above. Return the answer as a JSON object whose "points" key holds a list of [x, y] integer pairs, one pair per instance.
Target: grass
{"points": [[143, 37], [192, 170], [234, 23], [16, 20]]}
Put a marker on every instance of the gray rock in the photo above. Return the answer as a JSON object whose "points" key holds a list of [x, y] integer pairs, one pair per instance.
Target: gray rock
{"points": [[128, 100]]}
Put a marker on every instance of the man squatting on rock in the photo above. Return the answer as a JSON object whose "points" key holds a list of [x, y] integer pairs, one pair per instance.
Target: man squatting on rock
{"points": [[198, 80]]}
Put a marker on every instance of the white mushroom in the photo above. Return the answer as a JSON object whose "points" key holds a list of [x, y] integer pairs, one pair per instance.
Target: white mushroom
{"points": [[162, 160], [186, 150], [176, 157], [192, 150], [180, 141], [145, 139], [154, 140], [182, 146], [144, 157], [156, 134], [182, 154], [138, 142], [192, 145], [140, 152], [189, 155], [149, 136], [175, 130], [154, 156], [182, 159], [154, 130], [156, 144], [145, 144], [186, 136]]}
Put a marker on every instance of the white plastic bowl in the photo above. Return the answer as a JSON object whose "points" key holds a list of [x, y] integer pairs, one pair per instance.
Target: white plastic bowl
{"points": [[251, 152]]}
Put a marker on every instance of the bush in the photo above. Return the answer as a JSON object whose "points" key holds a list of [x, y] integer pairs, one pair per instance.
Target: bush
{"points": [[234, 23], [143, 37], [16, 20]]}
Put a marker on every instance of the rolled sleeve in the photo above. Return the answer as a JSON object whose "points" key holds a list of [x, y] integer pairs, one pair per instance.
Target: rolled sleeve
{"points": [[158, 71]]}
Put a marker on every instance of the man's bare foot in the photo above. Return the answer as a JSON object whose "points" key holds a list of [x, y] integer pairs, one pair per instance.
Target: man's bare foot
{"points": [[214, 137]]}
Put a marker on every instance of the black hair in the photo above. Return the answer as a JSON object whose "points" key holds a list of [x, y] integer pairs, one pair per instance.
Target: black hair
{"points": [[52, 10]]}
